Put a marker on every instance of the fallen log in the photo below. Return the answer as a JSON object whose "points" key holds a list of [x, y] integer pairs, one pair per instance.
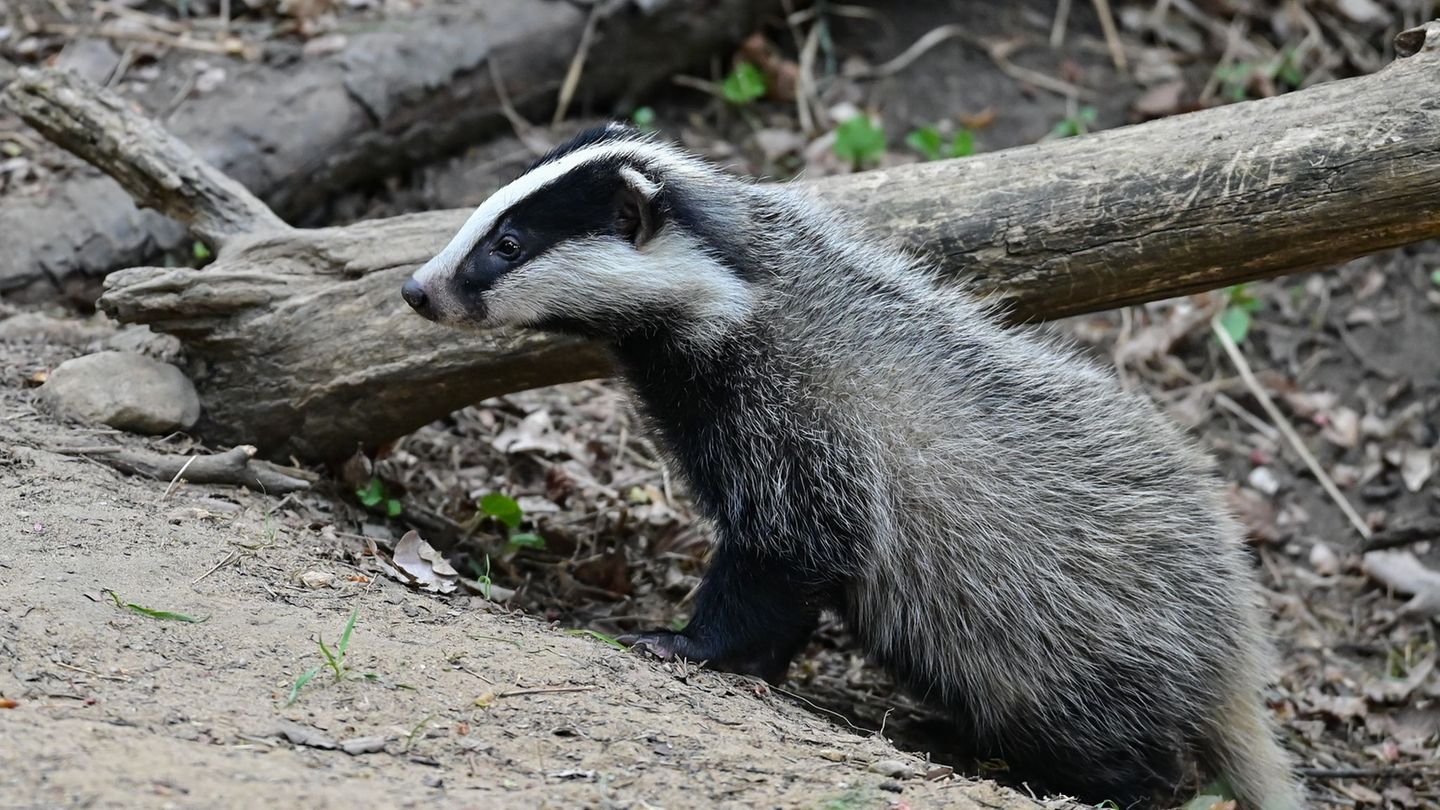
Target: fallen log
{"points": [[300, 343], [404, 89]]}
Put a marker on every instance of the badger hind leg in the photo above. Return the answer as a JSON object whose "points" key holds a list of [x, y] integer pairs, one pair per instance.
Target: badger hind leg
{"points": [[1242, 749]]}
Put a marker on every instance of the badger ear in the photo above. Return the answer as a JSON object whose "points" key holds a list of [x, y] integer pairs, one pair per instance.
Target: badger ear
{"points": [[637, 210]]}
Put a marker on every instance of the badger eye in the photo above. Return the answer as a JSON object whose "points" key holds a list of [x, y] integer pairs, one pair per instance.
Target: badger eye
{"points": [[507, 248]]}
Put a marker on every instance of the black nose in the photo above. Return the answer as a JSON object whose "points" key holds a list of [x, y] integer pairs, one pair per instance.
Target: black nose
{"points": [[414, 294]]}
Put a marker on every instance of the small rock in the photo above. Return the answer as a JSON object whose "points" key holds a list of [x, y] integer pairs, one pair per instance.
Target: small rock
{"points": [[1324, 560], [364, 745], [318, 579], [892, 768], [304, 735], [1263, 480], [891, 787], [125, 391]]}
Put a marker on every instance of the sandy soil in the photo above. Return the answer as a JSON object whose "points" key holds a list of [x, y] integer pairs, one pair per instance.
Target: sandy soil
{"points": [[472, 706]]}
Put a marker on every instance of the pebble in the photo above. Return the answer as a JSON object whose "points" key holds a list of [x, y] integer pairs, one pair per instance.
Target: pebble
{"points": [[124, 390]]}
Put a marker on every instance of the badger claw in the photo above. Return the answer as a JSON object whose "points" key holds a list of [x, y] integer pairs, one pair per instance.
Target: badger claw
{"points": [[661, 643]]}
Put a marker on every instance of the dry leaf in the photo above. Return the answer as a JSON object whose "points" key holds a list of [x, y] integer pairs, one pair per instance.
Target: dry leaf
{"points": [[1416, 466], [1402, 572], [426, 567], [1342, 427]]}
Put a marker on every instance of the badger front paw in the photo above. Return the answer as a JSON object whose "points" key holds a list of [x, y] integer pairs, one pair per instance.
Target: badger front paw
{"points": [[663, 644], [667, 645]]}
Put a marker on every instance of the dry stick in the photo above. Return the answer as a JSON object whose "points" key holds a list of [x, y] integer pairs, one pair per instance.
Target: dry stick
{"points": [[1283, 424], [577, 64], [175, 482], [805, 81], [1112, 37], [546, 690], [1057, 28]]}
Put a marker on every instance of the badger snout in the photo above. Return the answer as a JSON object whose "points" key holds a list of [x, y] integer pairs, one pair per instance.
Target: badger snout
{"points": [[414, 294]]}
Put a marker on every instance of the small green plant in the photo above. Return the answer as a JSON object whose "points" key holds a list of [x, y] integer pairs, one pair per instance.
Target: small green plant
{"points": [[334, 658], [1435, 277], [374, 496], [860, 141], [507, 510], [1236, 318], [483, 577], [1283, 70], [745, 84], [1078, 123], [200, 251], [163, 615], [929, 142], [644, 118]]}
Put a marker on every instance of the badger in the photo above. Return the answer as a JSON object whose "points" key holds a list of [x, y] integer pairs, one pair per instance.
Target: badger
{"points": [[1026, 545]]}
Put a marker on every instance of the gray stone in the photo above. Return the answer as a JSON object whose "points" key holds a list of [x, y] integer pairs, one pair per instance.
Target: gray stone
{"points": [[124, 390]]}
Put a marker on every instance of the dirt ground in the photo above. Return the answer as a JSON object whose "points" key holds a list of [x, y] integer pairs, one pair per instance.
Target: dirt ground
{"points": [[453, 700]]}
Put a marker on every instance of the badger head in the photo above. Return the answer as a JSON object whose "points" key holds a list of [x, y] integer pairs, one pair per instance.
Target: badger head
{"points": [[607, 235]]}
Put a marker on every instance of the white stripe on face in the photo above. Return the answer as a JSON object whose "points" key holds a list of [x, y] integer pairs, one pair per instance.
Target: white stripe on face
{"points": [[443, 266]]}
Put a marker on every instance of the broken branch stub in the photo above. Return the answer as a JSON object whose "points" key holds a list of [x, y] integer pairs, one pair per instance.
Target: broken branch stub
{"points": [[157, 168], [302, 345]]}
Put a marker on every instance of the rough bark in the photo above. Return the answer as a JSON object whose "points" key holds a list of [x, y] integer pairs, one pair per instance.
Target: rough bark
{"points": [[404, 90], [303, 346]]}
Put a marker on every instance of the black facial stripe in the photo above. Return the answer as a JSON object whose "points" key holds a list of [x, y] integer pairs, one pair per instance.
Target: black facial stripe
{"points": [[581, 203]]}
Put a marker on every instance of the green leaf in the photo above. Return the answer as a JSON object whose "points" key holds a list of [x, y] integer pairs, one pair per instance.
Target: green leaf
{"points": [[372, 494], [526, 540], [201, 251], [300, 683], [393, 507], [1240, 296], [163, 615], [1236, 323], [644, 117], [859, 140], [1435, 277], [503, 508], [332, 659], [926, 141], [595, 634], [963, 145], [349, 628], [744, 84]]}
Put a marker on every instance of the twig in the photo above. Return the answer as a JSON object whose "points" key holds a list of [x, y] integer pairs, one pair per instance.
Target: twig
{"points": [[234, 466], [91, 673], [805, 80], [930, 39], [232, 556], [577, 64], [524, 130], [1057, 28], [231, 46], [1403, 536], [1255, 422], [545, 690], [1283, 424], [1362, 773], [1112, 37], [175, 482]]}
